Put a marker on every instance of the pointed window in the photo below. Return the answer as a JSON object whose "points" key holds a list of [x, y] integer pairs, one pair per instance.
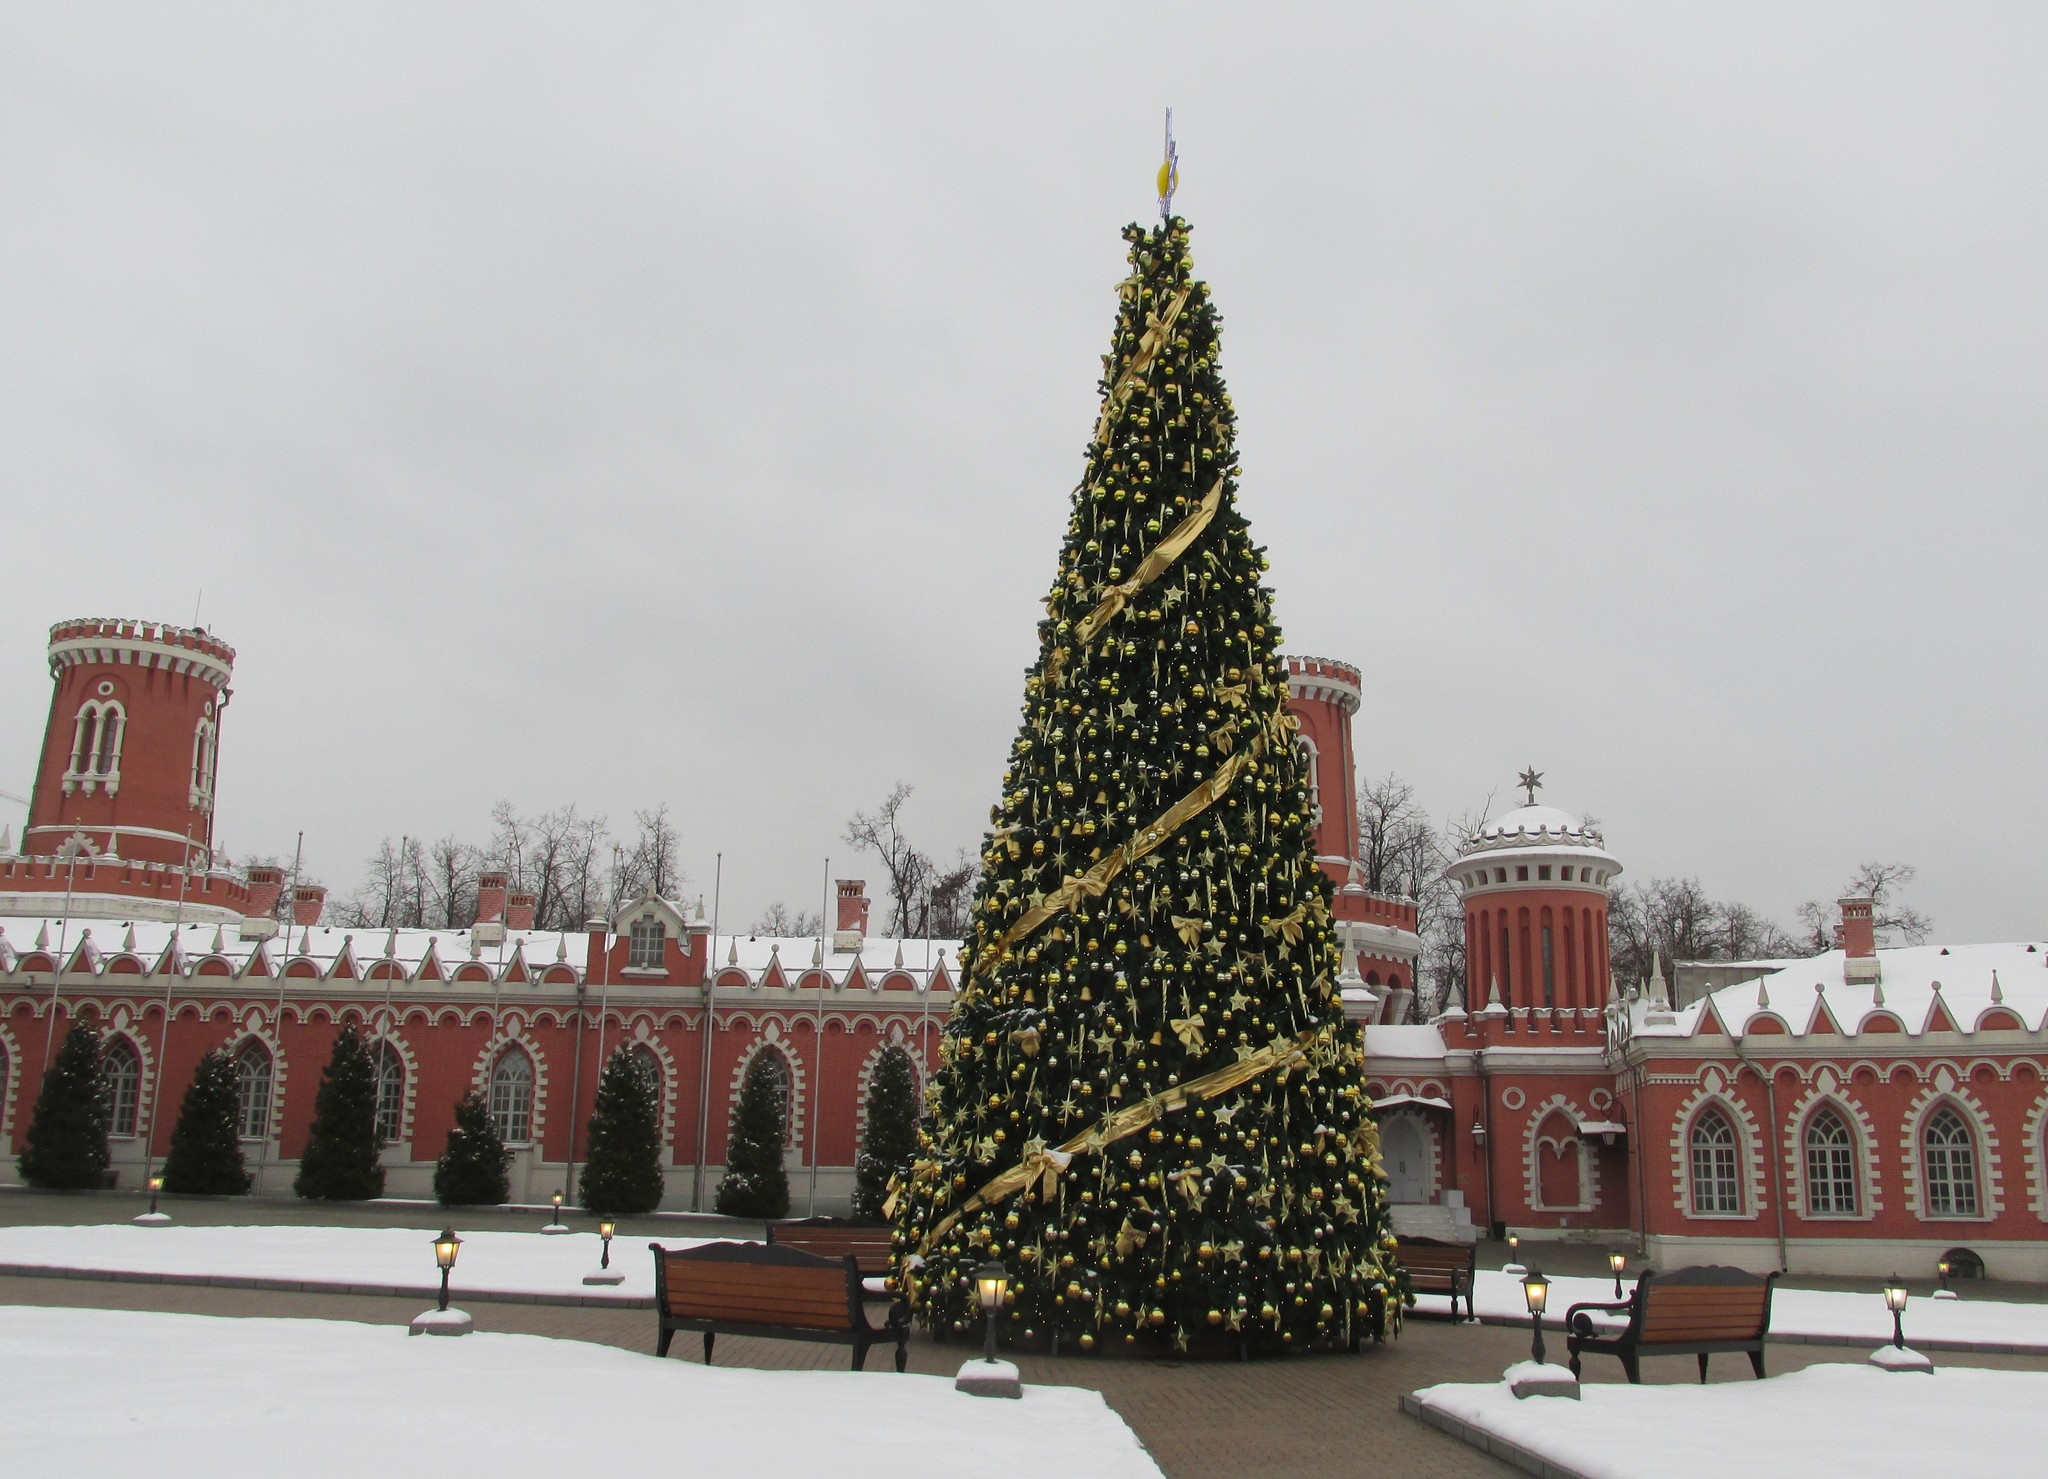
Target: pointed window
{"points": [[202, 765], [390, 1094], [1949, 1155], [1830, 1166], [512, 1097], [1716, 1190], [253, 1079], [121, 1074]]}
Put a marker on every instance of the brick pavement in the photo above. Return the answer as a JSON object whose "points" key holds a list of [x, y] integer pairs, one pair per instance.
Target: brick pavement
{"points": [[1316, 1417]]}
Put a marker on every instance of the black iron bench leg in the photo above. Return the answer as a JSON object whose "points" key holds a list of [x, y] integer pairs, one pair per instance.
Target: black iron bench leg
{"points": [[860, 1355], [1632, 1363], [1703, 1368], [902, 1353], [1574, 1363], [1756, 1362], [661, 1342], [708, 1338]]}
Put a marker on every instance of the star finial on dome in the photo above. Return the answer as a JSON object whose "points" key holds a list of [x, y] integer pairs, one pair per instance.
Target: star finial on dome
{"points": [[1531, 781]]}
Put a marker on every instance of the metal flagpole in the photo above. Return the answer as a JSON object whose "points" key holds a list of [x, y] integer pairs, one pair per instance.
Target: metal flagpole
{"points": [[709, 1026], [163, 1052], [818, 1037]]}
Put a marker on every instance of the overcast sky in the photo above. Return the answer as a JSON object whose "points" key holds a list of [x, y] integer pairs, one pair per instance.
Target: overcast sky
{"points": [[618, 404]]}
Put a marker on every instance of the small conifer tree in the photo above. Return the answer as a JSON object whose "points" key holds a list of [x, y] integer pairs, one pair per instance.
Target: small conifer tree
{"points": [[340, 1159], [67, 1137], [623, 1173], [206, 1143], [471, 1171], [890, 1138], [755, 1183]]}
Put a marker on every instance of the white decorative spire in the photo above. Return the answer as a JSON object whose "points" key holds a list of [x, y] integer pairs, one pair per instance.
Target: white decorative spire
{"points": [[128, 940], [732, 954], [899, 955], [818, 953], [561, 947], [43, 936], [6, 839], [220, 941], [1763, 995], [1877, 994], [1997, 991]]}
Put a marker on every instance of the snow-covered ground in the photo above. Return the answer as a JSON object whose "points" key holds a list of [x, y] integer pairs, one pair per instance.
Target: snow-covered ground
{"points": [[115, 1392], [1817, 1314], [1823, 1420], [495, 1262]]}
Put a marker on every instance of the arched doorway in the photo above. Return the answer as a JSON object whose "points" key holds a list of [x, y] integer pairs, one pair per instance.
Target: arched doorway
{"points": [[1405, 1149]]}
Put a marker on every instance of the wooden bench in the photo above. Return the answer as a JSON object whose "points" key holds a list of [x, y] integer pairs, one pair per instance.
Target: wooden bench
{"points": [[1437, 1267], [1692, 1312], [779, 1292], [867, 1243]]}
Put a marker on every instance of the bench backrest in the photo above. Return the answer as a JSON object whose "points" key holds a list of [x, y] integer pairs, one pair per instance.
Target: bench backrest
{"points": [[1702, 1304], [868, 1245], [755, 1284], [1428, 1256]]}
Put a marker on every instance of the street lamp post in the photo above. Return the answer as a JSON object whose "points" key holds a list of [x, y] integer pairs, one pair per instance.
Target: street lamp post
{"points": [[1514, 1263], [990, 1282], [1618, 1262], [1895, 1300], [605, 1229], [1536, 1294], [445, 1248]]}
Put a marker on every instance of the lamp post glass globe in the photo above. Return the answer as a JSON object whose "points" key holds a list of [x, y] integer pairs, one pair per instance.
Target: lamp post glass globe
{"points": [[605, 1228], [445, 1248], [1536, 1294], [1895, 1301], [990, 1280]]}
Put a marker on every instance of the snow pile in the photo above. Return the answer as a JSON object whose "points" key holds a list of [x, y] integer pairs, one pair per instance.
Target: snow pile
{"points": [[1812, 1314], [115, 1392], [377, 1257], [1823, 1420]]}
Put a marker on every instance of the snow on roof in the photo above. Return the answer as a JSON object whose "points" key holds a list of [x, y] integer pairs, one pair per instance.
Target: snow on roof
{"points": [[798, 955], [1968, 979], [1406, 1041], [102, 942]]}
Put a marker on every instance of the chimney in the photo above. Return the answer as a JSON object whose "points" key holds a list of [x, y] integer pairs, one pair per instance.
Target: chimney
{"points": [[852, 925], [490, 907], [520, 908], [1857, 936], [308, 899], [259, 921]]}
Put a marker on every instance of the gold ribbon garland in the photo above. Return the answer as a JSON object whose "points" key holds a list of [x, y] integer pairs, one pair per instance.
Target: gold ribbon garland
{"points": [[1157, 330], [1042, 1167]]}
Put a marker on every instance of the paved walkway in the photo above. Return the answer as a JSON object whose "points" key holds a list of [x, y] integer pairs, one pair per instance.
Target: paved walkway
{"points": [[1312, 1417]]}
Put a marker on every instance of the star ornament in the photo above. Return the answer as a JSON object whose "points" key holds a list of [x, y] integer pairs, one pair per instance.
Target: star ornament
{"points": [[1531, 781]]}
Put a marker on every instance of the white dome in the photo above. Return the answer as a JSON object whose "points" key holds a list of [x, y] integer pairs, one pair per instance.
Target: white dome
{"points": [[1533, 822]]}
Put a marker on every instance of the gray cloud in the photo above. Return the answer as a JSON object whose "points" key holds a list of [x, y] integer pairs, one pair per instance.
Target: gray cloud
{"points": [[617, 404]]}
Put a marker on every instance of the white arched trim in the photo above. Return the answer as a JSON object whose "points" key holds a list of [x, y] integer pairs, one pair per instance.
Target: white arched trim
{"points": [[773, 1039], [1827, 1093], [665, 1091], [1749, 1170], [512, 1033], [1946, 1089], [1534, 1144]]}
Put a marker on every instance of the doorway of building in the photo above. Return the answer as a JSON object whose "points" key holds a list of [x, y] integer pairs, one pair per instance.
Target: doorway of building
{"points": [[1405, 1150]]}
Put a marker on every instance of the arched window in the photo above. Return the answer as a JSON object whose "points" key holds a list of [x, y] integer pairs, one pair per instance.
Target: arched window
{"points": [[121, 1077], [512, 1097], [773, 1067], [1949, 1154], [644, 950], [390, 1094], [649, 1066], [1830, 1166], [96, 740], [85, 739], [252, 1091], [202, 763], [1715, 1190], [1315, 782]]}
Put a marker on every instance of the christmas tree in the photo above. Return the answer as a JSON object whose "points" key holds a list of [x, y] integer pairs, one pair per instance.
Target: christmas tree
{"points": [[206, 1144], [340, 1159], [1149, 1104], [66, 1148], [755, 1183], [623, 1173], [471, 1171], [890, 1137]]}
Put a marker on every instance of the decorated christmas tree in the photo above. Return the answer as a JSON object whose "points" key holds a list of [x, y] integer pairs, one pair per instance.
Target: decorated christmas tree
{"points": [[1149, 1105], [889, 1138], [623, 1173], [340, 1160], [206, 1147], [66, 1148]]}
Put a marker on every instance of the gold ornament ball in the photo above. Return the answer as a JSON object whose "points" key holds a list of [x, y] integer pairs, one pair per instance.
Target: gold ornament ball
{"points": [[1215, 1317], [1123, 1310], [1087, 1341]]}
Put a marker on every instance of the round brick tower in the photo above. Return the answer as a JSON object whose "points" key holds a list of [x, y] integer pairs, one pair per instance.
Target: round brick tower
{"points": [[131, 748], [1535, 888], [1323, 694]]}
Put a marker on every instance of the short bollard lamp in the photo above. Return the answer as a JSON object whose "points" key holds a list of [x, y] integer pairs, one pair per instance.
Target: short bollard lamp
{"points": [[605, 1228], [446, 1247], [156, 1184], [1514, 1263], [1942, 1267], [1618, 1262], [557, 1200], [990, 1282], [1895, 1301], [1536, 1294]]}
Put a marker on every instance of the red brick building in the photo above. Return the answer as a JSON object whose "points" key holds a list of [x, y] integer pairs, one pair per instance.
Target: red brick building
{"points": [[1855, 1112]]}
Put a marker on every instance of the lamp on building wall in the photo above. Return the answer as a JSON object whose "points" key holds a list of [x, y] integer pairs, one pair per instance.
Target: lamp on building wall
{"points": [[1479, 1134], [1895, 1300], [1536, 1294], [1617, 1262]]}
